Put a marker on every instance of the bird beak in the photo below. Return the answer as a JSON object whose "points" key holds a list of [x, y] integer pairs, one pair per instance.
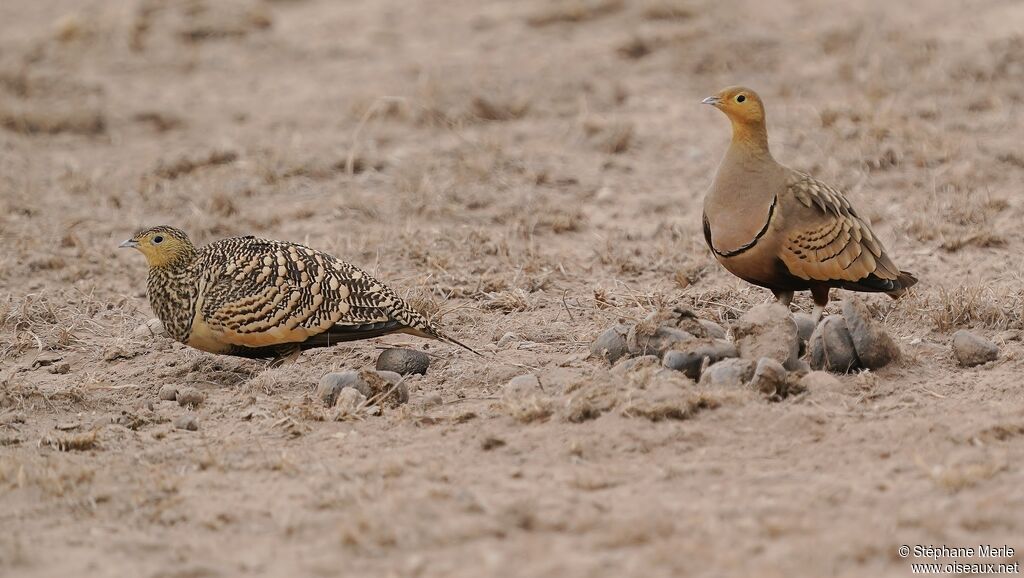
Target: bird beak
{"points": [[712, 100], [129, 244]]}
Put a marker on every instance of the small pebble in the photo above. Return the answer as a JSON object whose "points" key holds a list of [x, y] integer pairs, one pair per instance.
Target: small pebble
{"points": [[151, 328], [831, 347], [432, 400], [732, 372], [611, 345], [690, 357], [508, 339], [970, 349], [168, 392], [521, 385], [769, 377], [190, 396], [875, 348], [60, 368], [332, 384], [797, 366], [187, 422], [349, 402], [403, 361]]}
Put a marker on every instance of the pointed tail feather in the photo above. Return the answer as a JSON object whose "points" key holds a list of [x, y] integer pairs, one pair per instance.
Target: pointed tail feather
{"points": [[431, 332], [905, 281]]}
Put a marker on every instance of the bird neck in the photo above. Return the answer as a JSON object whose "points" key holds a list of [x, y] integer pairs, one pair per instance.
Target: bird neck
{"points": [[172, 294], [749, 140]]}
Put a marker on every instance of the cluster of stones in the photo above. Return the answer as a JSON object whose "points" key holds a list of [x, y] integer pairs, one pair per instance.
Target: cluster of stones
{"points": [[766, 351]]}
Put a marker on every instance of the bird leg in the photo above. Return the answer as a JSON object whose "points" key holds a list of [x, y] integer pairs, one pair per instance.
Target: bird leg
{"points": [[784, 297], [285, 354], [820, 295]]}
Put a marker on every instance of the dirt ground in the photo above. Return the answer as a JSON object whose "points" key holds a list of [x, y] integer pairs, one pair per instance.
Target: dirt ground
{"points": [[527, 173]]}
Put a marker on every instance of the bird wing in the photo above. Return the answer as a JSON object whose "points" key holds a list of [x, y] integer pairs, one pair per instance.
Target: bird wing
{"points": [[825, 240], [259, 292]]}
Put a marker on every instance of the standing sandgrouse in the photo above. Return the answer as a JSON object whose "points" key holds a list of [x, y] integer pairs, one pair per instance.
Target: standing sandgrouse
{"points": [[782, 229], [267, 299]]}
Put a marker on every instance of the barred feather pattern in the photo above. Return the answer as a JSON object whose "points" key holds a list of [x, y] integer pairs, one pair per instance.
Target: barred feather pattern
{"points": [[246, 293]]}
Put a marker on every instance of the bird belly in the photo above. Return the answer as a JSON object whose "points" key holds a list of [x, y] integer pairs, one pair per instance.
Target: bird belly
{"points": [[761, 266], [205, 338]]}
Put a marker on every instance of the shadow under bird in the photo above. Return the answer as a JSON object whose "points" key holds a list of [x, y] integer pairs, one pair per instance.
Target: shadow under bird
{"points": [[260, 298], [783, 229]]}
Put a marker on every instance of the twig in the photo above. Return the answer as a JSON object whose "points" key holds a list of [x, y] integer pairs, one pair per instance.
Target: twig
{"points": [[350, 161], [566, 305]]}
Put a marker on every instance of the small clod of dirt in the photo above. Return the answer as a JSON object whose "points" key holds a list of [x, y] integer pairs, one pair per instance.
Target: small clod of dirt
{"points": [[970, 349]]}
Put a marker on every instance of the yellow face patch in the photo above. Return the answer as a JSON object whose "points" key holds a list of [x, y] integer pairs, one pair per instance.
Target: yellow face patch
{"points": [[158, 246]]}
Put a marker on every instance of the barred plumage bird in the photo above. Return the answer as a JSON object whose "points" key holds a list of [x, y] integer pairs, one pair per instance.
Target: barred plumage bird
{"points": [[267, 299], [785, 230]]}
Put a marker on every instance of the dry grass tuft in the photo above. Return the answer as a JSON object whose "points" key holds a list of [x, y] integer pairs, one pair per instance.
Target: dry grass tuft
{"points": [[528, 408], [956, 477], [499, 110], [969, 306], [611, 137], [72, 443], [186, 165], [668, 10], [38, 119], [575, 11], [507, 301]]}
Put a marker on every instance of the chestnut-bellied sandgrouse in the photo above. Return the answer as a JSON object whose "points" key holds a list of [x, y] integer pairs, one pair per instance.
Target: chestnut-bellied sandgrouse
{"points": [[785, 230], [267, 299]]}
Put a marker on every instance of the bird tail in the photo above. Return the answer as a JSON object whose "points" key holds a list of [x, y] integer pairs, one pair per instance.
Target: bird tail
{"points": [[904, 281], [428, 330]]}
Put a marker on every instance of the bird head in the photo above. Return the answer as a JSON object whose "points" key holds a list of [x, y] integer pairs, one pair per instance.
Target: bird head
{"points": [[742, 105], [161, 245]]}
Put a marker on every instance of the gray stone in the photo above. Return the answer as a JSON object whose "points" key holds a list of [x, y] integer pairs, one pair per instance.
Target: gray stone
{"points": [[831, 347], [611, 345], [168, 392], [769, 377], [875, 348], [644, 340], [767, 330], [332, 384], [804, 326], [190, 397], [187, 422], [970, 349], [712, 329], [797, 366], [732, 372], [403, 361], [689, 358]]}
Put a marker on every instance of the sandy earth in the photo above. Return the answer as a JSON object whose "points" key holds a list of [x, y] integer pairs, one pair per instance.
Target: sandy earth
{"points": [[528, 173]]}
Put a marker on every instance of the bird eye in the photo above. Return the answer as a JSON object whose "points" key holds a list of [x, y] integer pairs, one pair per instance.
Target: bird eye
{"points": [[741, 98], [158, 239]]}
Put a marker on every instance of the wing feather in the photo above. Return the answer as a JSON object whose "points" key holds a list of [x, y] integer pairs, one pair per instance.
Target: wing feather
{"points": [[837, 246]]}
